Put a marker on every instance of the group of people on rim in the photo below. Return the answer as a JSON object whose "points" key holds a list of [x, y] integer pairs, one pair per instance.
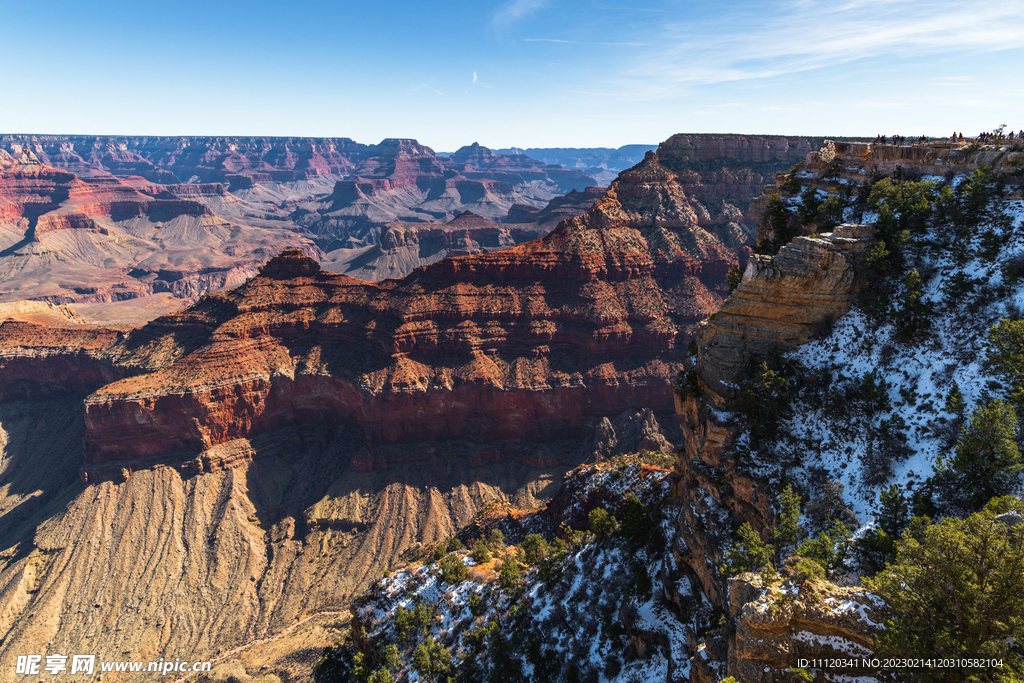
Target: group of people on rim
{"points": [[996, 138]]}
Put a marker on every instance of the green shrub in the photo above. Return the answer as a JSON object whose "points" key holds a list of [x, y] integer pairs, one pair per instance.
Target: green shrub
{"points": [[829, 549], [480, 552], [453, 570], [806, 568], [476, 605], [601, 523]]}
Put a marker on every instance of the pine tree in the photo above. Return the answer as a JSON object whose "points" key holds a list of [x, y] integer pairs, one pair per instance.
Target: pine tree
{"points": [[956, 590], [787, 528], [480, 552], [987, 462], [955, 403], [748, 554], [431, 659], [913, 314], [601, 523]]}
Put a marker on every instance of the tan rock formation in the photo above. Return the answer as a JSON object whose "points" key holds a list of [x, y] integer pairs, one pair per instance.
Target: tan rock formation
{"points": [[781, 301], [777, 627]]}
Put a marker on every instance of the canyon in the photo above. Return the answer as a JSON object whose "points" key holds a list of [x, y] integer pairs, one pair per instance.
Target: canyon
{"points": [[295, 434]]}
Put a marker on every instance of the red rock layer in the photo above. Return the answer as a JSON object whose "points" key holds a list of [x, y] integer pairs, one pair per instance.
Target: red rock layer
{"points": [[210, 159], [53, 199], [536, 341]]}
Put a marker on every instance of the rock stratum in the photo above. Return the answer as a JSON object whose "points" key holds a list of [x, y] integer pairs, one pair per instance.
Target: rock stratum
{"points": [[113, 219], [65, 238], [336, 188], [295, 434], [537, 339]]}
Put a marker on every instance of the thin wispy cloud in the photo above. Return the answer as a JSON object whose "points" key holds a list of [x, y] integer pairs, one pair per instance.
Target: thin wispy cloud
{"points": [[811, 34], [513, 12], [636, 9], [426, 86], [575, 42], [474, 77]]}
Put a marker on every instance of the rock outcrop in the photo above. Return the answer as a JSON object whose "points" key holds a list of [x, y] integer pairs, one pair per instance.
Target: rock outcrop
{"points": [[782, 301], [779, 626]]}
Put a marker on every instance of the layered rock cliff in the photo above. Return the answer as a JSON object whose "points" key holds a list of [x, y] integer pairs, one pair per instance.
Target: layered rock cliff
{"points": [[100, 239], [403, 247], [406, 181], [295, 434], [543, 338]]}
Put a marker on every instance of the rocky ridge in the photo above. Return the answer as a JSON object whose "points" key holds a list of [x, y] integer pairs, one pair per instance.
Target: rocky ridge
{"points": [[781, 303], [402, 247], [474, 339], [301, 431], [98, 239]]}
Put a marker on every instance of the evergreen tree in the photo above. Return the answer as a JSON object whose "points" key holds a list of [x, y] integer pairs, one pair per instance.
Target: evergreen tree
{"points": [[956, 590], [955, 404], [632, 518], [787, 528], [748, 554], [509, 577], [601, 523], [431, 660], [496, 541], [987, 462], [534, 548], [1006, 350], [393, 658], [453, 570], [480, 552], [733, 278], [913, 315], [809, 205], [765, 402], [830, 214], [878, 546]]}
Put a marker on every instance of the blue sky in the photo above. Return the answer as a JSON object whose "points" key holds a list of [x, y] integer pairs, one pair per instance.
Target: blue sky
{"points": [[527, 73]]}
